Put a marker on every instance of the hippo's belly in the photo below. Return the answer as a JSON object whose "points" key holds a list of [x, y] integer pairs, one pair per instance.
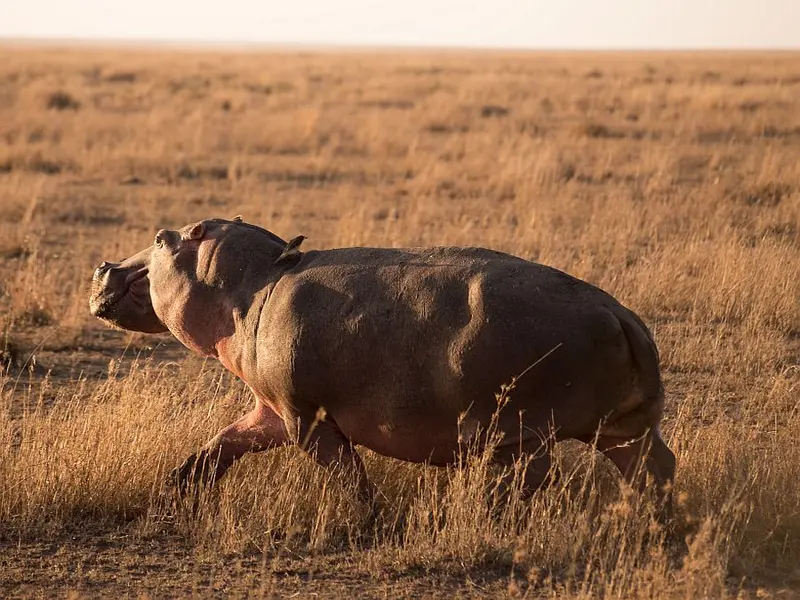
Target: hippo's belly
{"points": [[405, 422], [433, 445]]}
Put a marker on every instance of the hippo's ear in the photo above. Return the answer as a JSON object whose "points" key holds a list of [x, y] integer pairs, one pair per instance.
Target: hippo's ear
{"points": [[198, 231], [237, 219]]}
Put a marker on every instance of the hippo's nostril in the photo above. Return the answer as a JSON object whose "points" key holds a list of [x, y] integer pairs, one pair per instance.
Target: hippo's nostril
{"points": [[103, 269], [160, 237]]}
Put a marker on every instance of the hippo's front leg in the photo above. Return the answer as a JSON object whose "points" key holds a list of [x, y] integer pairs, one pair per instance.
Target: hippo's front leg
{"points": [[259, 430]]}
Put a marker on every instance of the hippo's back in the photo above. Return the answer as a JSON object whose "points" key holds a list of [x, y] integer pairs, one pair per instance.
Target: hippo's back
{"points": [[436, 286], [433, 267]]}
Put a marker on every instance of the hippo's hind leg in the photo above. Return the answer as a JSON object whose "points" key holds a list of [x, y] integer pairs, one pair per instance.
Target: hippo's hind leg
{"points": [[637, 457], [536, 457], [259, 430], [323, 440]]}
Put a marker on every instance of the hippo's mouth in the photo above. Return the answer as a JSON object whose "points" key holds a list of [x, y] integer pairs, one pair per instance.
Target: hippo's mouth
{"points": [[120, 295], [135, 287]]}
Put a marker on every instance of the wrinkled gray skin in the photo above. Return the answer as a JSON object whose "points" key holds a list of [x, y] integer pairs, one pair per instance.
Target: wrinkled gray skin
{"points": [[405, 349]]}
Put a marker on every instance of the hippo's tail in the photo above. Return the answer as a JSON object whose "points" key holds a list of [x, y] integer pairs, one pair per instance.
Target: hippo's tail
{"points": [[646, 415]]}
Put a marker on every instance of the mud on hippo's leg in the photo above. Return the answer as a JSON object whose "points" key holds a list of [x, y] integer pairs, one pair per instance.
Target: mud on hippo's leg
{"points": [[259, 430]]}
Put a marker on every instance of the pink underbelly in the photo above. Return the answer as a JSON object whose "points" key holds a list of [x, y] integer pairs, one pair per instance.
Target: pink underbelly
{"points": [[418, 446]]}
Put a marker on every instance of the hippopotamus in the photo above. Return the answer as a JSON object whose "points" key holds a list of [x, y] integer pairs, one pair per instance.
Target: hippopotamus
{"points": [[402, 351]]}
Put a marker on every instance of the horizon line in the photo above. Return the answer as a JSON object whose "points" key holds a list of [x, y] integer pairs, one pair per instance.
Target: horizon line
{"points": [[189, 44]]}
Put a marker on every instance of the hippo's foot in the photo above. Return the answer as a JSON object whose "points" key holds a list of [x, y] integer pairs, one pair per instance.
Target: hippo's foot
{"points": [[197, 472]]}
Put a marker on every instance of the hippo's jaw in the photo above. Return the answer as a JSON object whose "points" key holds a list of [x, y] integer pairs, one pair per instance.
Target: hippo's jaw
{"points": [[121, 298], [108, 287]]}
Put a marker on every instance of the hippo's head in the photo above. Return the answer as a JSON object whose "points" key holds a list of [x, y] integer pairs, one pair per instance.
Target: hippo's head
{"points": [[146, 291]]}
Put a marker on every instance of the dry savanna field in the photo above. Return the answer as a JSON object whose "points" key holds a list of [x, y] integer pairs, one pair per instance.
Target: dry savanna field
{"points": [[672, 181]]}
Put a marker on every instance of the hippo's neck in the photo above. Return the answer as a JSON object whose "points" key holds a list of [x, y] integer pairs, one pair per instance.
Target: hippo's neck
{"points": [[237, 350], [201, 323], [221, 317]]}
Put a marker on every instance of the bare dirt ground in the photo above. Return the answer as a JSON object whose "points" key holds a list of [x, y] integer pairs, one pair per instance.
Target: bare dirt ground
{"points": [[672, 181]]}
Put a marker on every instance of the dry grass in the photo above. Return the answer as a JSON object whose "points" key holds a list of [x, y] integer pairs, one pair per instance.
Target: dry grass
{"points": [[671, 181]]}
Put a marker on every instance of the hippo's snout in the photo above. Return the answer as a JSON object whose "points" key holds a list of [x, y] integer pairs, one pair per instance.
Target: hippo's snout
{"points": [[101, 296], [110, 283], [100, 271], [120, 295], [103, 288]]}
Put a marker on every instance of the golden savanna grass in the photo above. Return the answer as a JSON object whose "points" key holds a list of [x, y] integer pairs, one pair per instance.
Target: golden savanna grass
{"points": [[672, 181]]}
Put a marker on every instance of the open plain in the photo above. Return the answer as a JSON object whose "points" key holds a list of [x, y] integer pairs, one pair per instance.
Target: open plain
{"points": [[670, 180]]}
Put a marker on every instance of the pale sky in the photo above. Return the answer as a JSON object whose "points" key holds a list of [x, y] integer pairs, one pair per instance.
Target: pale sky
{"points": [[488, 23]]}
